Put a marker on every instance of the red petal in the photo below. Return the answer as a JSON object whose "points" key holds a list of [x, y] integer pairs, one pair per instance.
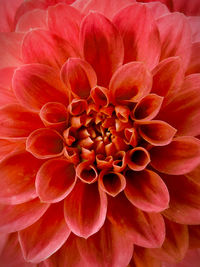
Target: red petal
{"points": [[181, 156], [37, 84], [7, 96], [195, 25], [17, 217], [158, 133], [15, 121], [100, 96], [175, 35], [102, 46], [45, 143], [175, 245], [41, 46], [79, 77], [108, 247], [137, 158], [190, 8], [194, 175], [45, 236], [86, 172], [6, 75], [17, 182], [146, 190], [194, 64], [12, 145], [55, 180], [104, 162], [194, 236], [130, 83], [85, 209], [77, 106], [140, 34], [144, 229]]}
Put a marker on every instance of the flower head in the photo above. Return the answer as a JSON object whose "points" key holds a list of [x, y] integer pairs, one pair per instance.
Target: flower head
{"points": [[99, 132]]}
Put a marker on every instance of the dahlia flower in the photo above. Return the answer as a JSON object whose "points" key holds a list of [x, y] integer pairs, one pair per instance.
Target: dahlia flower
{"points": [[99, 133]]}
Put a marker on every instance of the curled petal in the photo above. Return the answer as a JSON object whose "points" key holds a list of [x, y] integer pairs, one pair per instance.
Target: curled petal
{"points": [[79, 77], [36, 84], [119, 163], [100, 96], [137, 158], [87, 154], [44, 143], [131, 136], [130, 83], [69, 135], [86, 172], [85, 209], [102, 46], [55, 180], [72, 155], [146, 190], [104, 162], [77, 106], [122, 113], [181, 156]]}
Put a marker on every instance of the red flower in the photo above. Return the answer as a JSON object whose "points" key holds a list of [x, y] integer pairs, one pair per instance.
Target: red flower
{"points": [[100, 149]]}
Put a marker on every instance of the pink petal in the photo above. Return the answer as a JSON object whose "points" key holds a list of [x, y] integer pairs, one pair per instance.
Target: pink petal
{"points": [[181, 156], [184, 104], [15, 121], [7, 96], [102, 46], [10, 49], [137, 158], [146, 190], [85, 209], [175, 245], [86, 172], [45, 236], [158, 9], [64, 21], [37, 84], [190, 8], [195, 25], [144, 229], [158, 133], [140, 34], [6, 75], [79, 77], [194, 64], [184, 198], [17, 217], [18, 172], [108, 247], [41, 46], [130, 83], [175, 35], [45, 143], [55, 180]]}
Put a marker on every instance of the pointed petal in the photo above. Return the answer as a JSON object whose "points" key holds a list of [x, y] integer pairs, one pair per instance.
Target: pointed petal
{"points": [[194, 64], [130, 83], [108, 247], [146, 190], [181, 156], [85, 209], [140, 34], [102, 46], [144, 229], [45, 236], [189, 8], [36, 84], [17, 217]]}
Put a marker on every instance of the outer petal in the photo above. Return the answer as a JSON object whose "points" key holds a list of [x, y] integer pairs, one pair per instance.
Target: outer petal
{"points": [[85, 209], [12, 145], [102, 46], [194, 236], [144, 229], [194, 64], [158, 8], [6, 96], [181, 156], [195, 25], [146, 190], [140, 34], [45, 236], [17, 217], [194, 175], [189, 8], [108, 247]]}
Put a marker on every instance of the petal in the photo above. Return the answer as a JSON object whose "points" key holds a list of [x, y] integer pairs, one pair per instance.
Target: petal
{"points": [[137, 158], [11, 145], [158, 9], [142, 258], [77, 106], [17, 217], [175, 35], [15, 121], [7, 96], [189, 8], [41, 46], [45, 143], [36, 84], [86, 172], [6, 75], [130, 82], [140, 34], [100, 96], [45, 236], [85, 209], [55, 180], [194, 236], [194, 175], [158, 133], [146, 190], [194, 64], [144, 229], [102, 46], [175, 245], [18, 171], [108, 247], [195, 25], [184, 200], [79, 77], [181, 156]]}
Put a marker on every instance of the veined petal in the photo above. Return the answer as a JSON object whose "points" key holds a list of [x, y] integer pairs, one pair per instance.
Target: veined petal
{"points": [[7, 96], [11, 145], [102, 46], [85, 209]]}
